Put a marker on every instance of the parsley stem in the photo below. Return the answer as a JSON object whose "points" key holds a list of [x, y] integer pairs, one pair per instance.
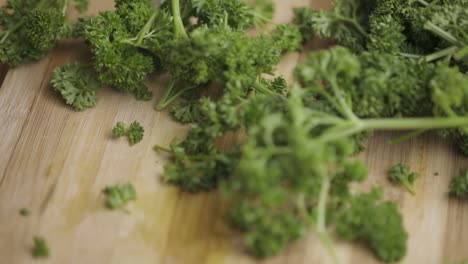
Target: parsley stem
{"points": [[408, 186], [440, 32], [178, 23], [407, 136], [411, 56], [161, 148], [441, 54], [355, 24], [345, 109], [463, 52], [260, 88], [65, 7], [350, 128], [171, 94], [321, 220], [424, 3], [8, 32], [144, 31], [414, 123]]}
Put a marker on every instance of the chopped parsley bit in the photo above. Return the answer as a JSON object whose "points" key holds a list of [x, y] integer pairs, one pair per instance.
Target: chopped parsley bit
{"points": [[24, 212], [119, 195], [134, 133], [40, 249]]}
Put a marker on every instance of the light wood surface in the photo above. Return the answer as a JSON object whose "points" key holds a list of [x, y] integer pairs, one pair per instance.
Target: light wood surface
{"points": [[56, 162]]}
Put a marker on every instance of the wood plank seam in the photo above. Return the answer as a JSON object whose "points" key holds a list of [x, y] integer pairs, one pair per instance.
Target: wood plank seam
{"points": [[36, 97]]}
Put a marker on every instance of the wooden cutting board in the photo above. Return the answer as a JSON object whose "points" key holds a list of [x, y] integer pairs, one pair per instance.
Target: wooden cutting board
{"points": [[56, 162]]}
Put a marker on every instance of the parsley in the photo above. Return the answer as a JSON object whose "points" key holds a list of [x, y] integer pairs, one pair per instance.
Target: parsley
{"points": [[76, 85], [24, 212], [119, 195], [40, 249], [459, 185], [30, 29], [401, 174], [134, 132]]}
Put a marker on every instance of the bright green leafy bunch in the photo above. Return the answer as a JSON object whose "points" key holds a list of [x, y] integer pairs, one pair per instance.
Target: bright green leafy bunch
{"points": [[119, 195], [286, 177], [296, 163], [76, 85], [377, 223], [459, 184], [29, 29], [401, 174], [40, 250], [134, 132]]}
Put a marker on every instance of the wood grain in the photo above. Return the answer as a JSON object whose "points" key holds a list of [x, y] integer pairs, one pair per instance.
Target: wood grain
{"points": [[56, 162]]}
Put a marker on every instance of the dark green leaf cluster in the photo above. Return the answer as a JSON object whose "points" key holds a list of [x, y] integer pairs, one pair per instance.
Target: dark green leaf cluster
{"points": [[76, 85], [186, 112], [235, 13], [117, 39], [29, 29], [40, 250], [428, 29], [134, 132], [459, 185], [402, 174], [119, 195], [377, 223], [139, 38]]}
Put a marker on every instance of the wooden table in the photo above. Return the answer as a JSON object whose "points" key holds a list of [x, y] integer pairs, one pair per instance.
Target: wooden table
{"points": [[56, 162]]}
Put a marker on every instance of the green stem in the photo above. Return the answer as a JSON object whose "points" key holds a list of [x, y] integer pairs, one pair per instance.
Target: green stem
{"points": [[461, 53], [395, 124], [226, 17], [440, 32], [355, 24], [178, 23], [408, 186], [160, 148], [171, 94], [407, 136], [433, 3], [409, 55], [260, 88], [65, 7], [414, 123], [424, 3], [441, 54], [321, 228], [8, 32], [145, 29], [342, 101]]}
